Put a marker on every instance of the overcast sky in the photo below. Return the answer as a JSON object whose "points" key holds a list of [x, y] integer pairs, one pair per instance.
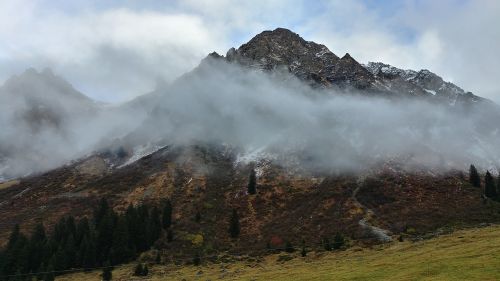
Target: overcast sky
{"points": [[115, 50]]}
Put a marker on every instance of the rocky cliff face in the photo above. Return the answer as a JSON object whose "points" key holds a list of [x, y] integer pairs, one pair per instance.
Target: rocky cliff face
{"points": [[282, 49], [422, 81], [315, 63]]}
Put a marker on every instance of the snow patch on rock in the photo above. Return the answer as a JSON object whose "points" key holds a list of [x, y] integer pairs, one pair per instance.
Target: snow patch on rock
{"points": [[140, 152], [430, 92]]}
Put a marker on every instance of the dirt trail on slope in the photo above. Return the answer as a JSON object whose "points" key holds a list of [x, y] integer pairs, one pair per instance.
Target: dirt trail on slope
{"points": [[383, 235]]}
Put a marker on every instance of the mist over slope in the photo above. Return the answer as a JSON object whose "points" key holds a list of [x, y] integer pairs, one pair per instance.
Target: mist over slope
{"points": [[277, 97], [276, 115], [45, 122]]}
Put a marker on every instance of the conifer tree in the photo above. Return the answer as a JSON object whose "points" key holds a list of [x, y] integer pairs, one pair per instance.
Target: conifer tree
{"points": [[158, 258], [70, 226], [197, 217], [142, 235], [170, 235], [13, 238], [289, 247], [498, 187], [36, 247], [138, 270], [70, 252], [120, 244], [167, 214], [154, 226], [234, 224], [105, 236], [82, 230], [326, 244], [88, 252], [474, 178], [303, 253], [197, 259], [490, 189], [17, 255], [49, 275], [338, 241], [101, 210], [107, 271], [252, 182], [132, 225]]}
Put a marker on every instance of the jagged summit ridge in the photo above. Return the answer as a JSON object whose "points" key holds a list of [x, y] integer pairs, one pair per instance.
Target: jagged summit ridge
{"points": [[315, 64], [422, 80], [282, 48]]}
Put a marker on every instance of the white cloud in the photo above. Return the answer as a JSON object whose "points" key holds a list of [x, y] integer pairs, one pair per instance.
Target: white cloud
{"points": [[117, 52], [458, 40]]}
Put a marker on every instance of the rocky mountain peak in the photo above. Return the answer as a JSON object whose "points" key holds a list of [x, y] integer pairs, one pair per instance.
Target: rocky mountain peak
{"points": [[42, 85], [282, 48], [316, 65]]}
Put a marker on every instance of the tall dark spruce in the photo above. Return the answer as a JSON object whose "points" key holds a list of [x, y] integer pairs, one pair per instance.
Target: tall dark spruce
{"points": [[490, 189], [252, 182], [474, 178], [234, 224]]}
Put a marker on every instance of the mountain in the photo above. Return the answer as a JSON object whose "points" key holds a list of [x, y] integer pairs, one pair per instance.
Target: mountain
{"points": [[47, 122], [44, 99], [316, 64], [370, 152]]}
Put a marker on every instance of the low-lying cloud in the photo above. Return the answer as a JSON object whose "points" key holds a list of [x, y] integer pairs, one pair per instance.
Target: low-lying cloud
{"points": [[261, 115], [277, 114]]}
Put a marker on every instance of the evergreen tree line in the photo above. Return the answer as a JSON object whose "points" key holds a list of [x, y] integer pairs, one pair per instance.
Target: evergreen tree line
{"points": [[108, 238], [491, 187]]}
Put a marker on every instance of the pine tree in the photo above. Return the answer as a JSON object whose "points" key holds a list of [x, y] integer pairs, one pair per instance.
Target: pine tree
{"points": [[88, 252], [141, 242], [138, 270], [17, 255], [70, 252], [474, 178], [289, 247], [170, 235], [234, 224], [498, 187], [107, 272], [60, 233], [105, 236], [252, 182], [82, 230], [154, 226], [338, 241], [134, 230], [326, 244], [197, 259], [490, 189], [49, 275], [101, 210], [36, 247], [14, 236], [70, 226], [303, 252], [167, 214], [120, 243], [158, 258]]}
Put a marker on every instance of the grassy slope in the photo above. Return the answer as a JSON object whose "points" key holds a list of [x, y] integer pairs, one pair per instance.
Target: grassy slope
{"points": [[472, 254]]}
